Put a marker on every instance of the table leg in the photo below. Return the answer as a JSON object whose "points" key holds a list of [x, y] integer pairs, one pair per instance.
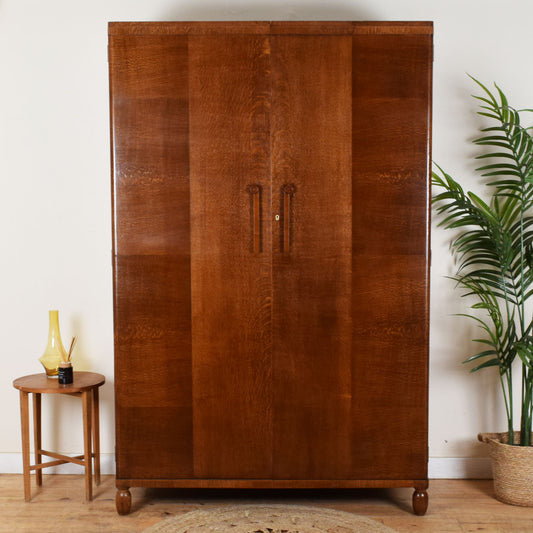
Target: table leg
{"points": [[37, 436], [96, 435], [87, 438], [25, 425]]}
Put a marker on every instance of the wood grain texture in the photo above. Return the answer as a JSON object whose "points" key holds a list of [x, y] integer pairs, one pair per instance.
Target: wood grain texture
{"points": [[86, 399], [95, 424], [391, 96], [292, 328], [296, 27], [150, 131], [457, 506], [311, 151], [393, 28], [41, 383], [349, 28], [283, 27], [123, 501], [150, 137], [37, 444], [85, 385], [153, 374], [152, 334], [231, 285], [25, 438], [420, 502], [189, 28], [196, 483]]}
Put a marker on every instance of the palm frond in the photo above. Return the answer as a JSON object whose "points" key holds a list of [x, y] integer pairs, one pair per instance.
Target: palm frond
{"points": [[494, 245]]}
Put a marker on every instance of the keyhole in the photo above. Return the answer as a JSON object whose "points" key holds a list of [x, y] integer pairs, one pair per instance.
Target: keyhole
{"points": [[277, 217]]}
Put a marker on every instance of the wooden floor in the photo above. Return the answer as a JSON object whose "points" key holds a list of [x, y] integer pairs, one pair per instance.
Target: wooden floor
{"points": [[454, 505]]}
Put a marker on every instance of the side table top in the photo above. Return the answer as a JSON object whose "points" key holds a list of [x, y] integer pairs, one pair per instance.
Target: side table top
{"points": [[41, 383]]}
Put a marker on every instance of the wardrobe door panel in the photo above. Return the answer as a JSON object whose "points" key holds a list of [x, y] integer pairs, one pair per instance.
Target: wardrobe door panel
{"points": [[231, 261], [390, 109], [311, 169]]}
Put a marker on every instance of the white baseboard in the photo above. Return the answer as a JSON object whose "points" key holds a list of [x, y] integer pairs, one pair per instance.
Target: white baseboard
{"points": [[438, 468], [459, 468]]}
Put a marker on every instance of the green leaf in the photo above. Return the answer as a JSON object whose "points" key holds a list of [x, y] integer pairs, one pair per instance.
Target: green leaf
{"points": [[489, 115], [480, 355], [525, 354], [486, 364], [496, 154]]}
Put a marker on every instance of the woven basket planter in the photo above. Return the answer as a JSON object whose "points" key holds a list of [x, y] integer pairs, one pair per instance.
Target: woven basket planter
{"points": [[512, 469]]}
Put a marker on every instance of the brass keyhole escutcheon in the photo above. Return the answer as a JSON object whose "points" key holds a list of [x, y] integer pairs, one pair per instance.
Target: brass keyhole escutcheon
{"points": [[277, 217]]}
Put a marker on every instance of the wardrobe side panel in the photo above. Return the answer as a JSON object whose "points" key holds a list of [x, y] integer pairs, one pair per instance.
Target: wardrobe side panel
{"points": [[390, 225], [151, 241]]}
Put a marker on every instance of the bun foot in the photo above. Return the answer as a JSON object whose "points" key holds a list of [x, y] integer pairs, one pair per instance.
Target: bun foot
{"points": [[123, 501], [420, 502]]}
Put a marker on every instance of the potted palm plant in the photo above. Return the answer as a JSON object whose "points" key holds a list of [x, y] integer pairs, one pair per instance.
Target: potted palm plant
{"points": [[493, 244]]}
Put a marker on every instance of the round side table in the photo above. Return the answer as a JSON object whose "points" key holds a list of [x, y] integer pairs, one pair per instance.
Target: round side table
{"points": [[85, 385]]}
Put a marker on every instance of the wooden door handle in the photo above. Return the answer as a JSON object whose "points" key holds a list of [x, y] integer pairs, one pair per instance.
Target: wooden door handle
{"points": [[255, 198], [288, 191]]}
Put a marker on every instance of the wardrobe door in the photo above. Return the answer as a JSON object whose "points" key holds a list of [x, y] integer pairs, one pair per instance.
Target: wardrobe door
{"points": [[231, 255], [391, 121], [311, 169], [151, 241]]}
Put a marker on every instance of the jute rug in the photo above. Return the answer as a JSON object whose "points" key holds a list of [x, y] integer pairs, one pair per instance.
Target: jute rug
{"points": [[268, 519]]}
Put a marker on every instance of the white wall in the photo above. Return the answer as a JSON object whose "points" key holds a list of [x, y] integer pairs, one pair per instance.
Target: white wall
{"points": [[55, 222]]}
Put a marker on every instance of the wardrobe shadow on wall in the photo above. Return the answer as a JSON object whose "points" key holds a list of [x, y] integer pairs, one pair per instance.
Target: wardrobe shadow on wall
{"points": [[275, 10]]}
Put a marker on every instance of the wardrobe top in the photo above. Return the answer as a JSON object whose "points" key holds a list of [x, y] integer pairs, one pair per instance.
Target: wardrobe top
{"points": [[273, 28]]}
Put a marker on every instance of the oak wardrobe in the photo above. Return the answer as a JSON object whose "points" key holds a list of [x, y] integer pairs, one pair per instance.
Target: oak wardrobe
{"points": [[270, 254]]}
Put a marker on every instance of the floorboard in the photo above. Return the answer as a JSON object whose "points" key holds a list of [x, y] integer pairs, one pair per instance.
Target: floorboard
{"points": [[454, 506]]}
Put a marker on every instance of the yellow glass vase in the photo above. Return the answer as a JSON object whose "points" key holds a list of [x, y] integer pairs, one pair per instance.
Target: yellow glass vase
{"points": [[55, 352]]}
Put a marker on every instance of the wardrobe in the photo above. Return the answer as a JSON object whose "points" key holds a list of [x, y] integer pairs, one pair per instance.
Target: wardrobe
{"points": [[270, 254]]}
